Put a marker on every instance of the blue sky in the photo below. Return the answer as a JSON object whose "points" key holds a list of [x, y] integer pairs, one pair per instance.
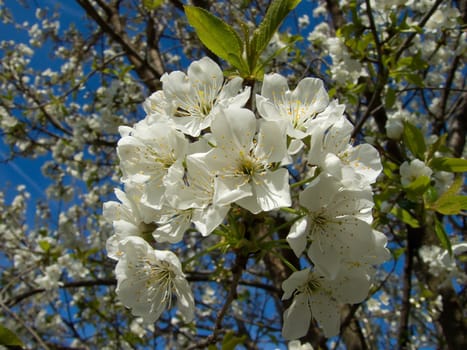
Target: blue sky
{"points": [[27, 171]]}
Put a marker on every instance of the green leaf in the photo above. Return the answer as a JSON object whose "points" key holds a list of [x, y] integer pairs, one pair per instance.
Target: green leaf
{"points": [[8, 338], [231, 341], [390, 99], [430, 195], [442, 236], [416, 79], [216, 35], [454, 165], [450, 205], [45, 245], [414, 140], [152, 4], [276, 13], [405, 216], [398, 252], [418, 186], [390, 169]]}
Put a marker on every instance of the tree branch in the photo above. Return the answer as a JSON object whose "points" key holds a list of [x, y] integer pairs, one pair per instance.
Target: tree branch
{"points": [[237, 270], [414, 239], [458, 129], [75, 284], [405, 45], [112, 26]]}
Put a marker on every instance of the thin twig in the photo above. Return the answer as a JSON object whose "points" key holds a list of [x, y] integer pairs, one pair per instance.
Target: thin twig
{"points": [[29, 329], [237, 270]]}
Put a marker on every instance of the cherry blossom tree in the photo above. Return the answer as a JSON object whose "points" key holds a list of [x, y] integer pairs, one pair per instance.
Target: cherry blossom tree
{"points": [[234, 174]]}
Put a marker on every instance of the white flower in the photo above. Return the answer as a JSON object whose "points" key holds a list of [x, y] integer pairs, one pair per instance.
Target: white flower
{"points": [[303, 21], [314, 295], [157, 108], [320, 33], [193, 188], [330, 148], [293, 108], [337, 224], [449, 260], [146, 154], [373, 253], [344, 68], [136, 327], [444, 17], [172, 223], [296, 345], [443, 180], [243, 162], [395, 124], [411, 171], [442, 264], [51, 278], [196, 97], [129, 217], [147, 279]]}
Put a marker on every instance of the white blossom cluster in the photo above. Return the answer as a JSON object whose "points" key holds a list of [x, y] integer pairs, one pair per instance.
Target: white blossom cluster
{"points": [[199, 152]]}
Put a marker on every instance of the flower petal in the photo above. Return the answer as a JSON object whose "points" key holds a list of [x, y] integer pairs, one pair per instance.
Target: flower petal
{"points": [[297, 318], [297, 237], [272, 190]]}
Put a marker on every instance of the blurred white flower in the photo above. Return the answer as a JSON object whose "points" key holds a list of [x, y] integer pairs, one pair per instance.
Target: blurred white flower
{"points": [[411, 171], [395, 125], [296, 345], [303, 21]]}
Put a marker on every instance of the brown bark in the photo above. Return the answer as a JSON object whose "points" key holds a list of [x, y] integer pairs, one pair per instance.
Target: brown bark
{"points": [[351, 331], [458, 128]]}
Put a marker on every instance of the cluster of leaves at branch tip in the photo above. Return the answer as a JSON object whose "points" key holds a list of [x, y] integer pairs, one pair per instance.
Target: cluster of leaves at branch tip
{"points": [[222, 40], [422, 190]]}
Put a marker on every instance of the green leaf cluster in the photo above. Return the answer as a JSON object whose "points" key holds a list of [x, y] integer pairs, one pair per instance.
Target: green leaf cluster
{"points": [[408, 68], [222, 39]]}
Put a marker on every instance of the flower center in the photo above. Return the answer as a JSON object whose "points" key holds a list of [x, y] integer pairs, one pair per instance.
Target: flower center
{"points": [[161, 278], [251, 166], [318, 224], [198, 106], [165, 160], [312, 285], [205, 103]]}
